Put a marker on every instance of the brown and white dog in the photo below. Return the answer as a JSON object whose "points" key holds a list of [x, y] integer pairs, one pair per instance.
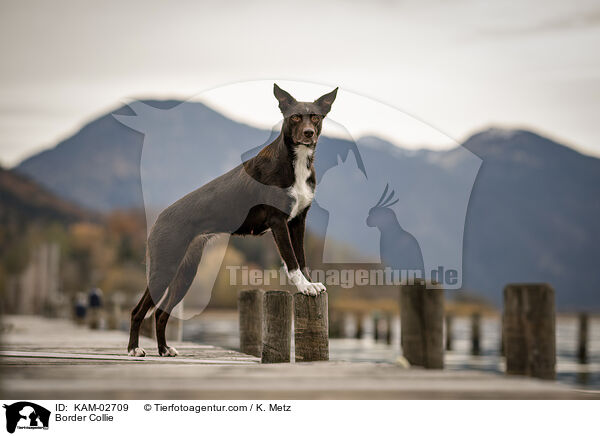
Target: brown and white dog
{"points": [[271, 191]]}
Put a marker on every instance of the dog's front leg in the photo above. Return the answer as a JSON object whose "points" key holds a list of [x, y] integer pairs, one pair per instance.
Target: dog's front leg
{"points": [[296, 227], [284, 244]]}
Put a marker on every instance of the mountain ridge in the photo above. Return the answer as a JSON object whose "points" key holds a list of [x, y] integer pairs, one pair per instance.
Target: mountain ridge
{"points": [[532, 213], [24, 198]]}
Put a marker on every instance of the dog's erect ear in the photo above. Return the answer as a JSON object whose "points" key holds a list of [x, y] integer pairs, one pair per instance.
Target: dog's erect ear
{"points": [[325, 101], [284, 98]]}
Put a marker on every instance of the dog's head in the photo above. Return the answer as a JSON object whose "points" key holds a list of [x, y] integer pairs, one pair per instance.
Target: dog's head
{"points": [[302, 121]]}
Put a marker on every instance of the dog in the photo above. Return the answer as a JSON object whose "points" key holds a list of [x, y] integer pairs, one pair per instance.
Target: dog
{"points": [[271, 191]]}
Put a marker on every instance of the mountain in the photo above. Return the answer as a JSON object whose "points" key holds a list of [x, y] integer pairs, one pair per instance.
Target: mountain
{"points": [[533, 216], [532, 211], [98, 167], [23, 200]]}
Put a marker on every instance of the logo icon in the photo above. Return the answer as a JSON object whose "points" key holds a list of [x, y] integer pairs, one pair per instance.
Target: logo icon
{"points": [[398, 209], [26, 415]]}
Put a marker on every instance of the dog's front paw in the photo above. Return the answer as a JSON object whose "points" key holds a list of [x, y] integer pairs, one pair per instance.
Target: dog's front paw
{"points": [[303, 285], [312, 289], [168, 352], [137, 352]]}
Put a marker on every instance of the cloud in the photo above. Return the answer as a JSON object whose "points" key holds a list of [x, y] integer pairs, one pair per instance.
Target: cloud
{"points": [[576, 21]]}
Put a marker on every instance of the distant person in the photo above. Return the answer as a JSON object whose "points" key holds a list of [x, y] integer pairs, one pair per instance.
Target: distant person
{"points": [[80, 308], [95, 301], [95, 297]]}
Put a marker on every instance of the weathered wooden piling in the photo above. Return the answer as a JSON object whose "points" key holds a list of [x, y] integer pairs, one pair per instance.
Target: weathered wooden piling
{"points": [[277, 327], [422, 330], [582, 340], [311, 327], [250, 310], [448, 319], [336, 322], [376, 327], [529, 330], [358, 334], [389, 325], [476, 333]]}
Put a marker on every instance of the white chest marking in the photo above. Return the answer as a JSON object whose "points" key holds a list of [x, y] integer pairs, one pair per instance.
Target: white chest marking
{"points": [[300, 190]]}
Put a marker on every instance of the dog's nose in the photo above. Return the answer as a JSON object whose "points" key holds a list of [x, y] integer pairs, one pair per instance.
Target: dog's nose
{"points": [[309, 133]]}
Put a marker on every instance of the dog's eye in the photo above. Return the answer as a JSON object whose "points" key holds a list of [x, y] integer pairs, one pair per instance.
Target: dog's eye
{"points": [[295, 118], [314, 119]]}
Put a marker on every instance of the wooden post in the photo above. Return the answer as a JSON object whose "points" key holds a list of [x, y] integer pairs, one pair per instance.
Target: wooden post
{"points": [[376, 327], [422, 319], [336, 324], [389, 326], [583, 338], [449, 318], [311, 327], [250, 312], [359, 326], [475, 333], [277, 327], [529, 330]]}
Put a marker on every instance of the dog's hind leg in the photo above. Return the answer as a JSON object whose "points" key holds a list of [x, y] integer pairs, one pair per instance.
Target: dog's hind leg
{"points": [[177, 290], [137, 316]]}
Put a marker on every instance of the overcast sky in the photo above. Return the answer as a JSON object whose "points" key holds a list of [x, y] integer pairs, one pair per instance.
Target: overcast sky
{"points": [[458, 65]]}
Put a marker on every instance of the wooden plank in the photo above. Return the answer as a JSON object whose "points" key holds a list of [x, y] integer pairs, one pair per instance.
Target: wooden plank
{"points": [[111, 357], [582, 338], [422, 319], [449, 338], [311, 330], [277, 327], [202, 372], [476, 334], [250, 309], [326, 380], [529, 330]]}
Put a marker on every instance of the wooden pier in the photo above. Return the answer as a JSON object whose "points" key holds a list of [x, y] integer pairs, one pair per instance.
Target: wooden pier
{"points": [[55, 359]]}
